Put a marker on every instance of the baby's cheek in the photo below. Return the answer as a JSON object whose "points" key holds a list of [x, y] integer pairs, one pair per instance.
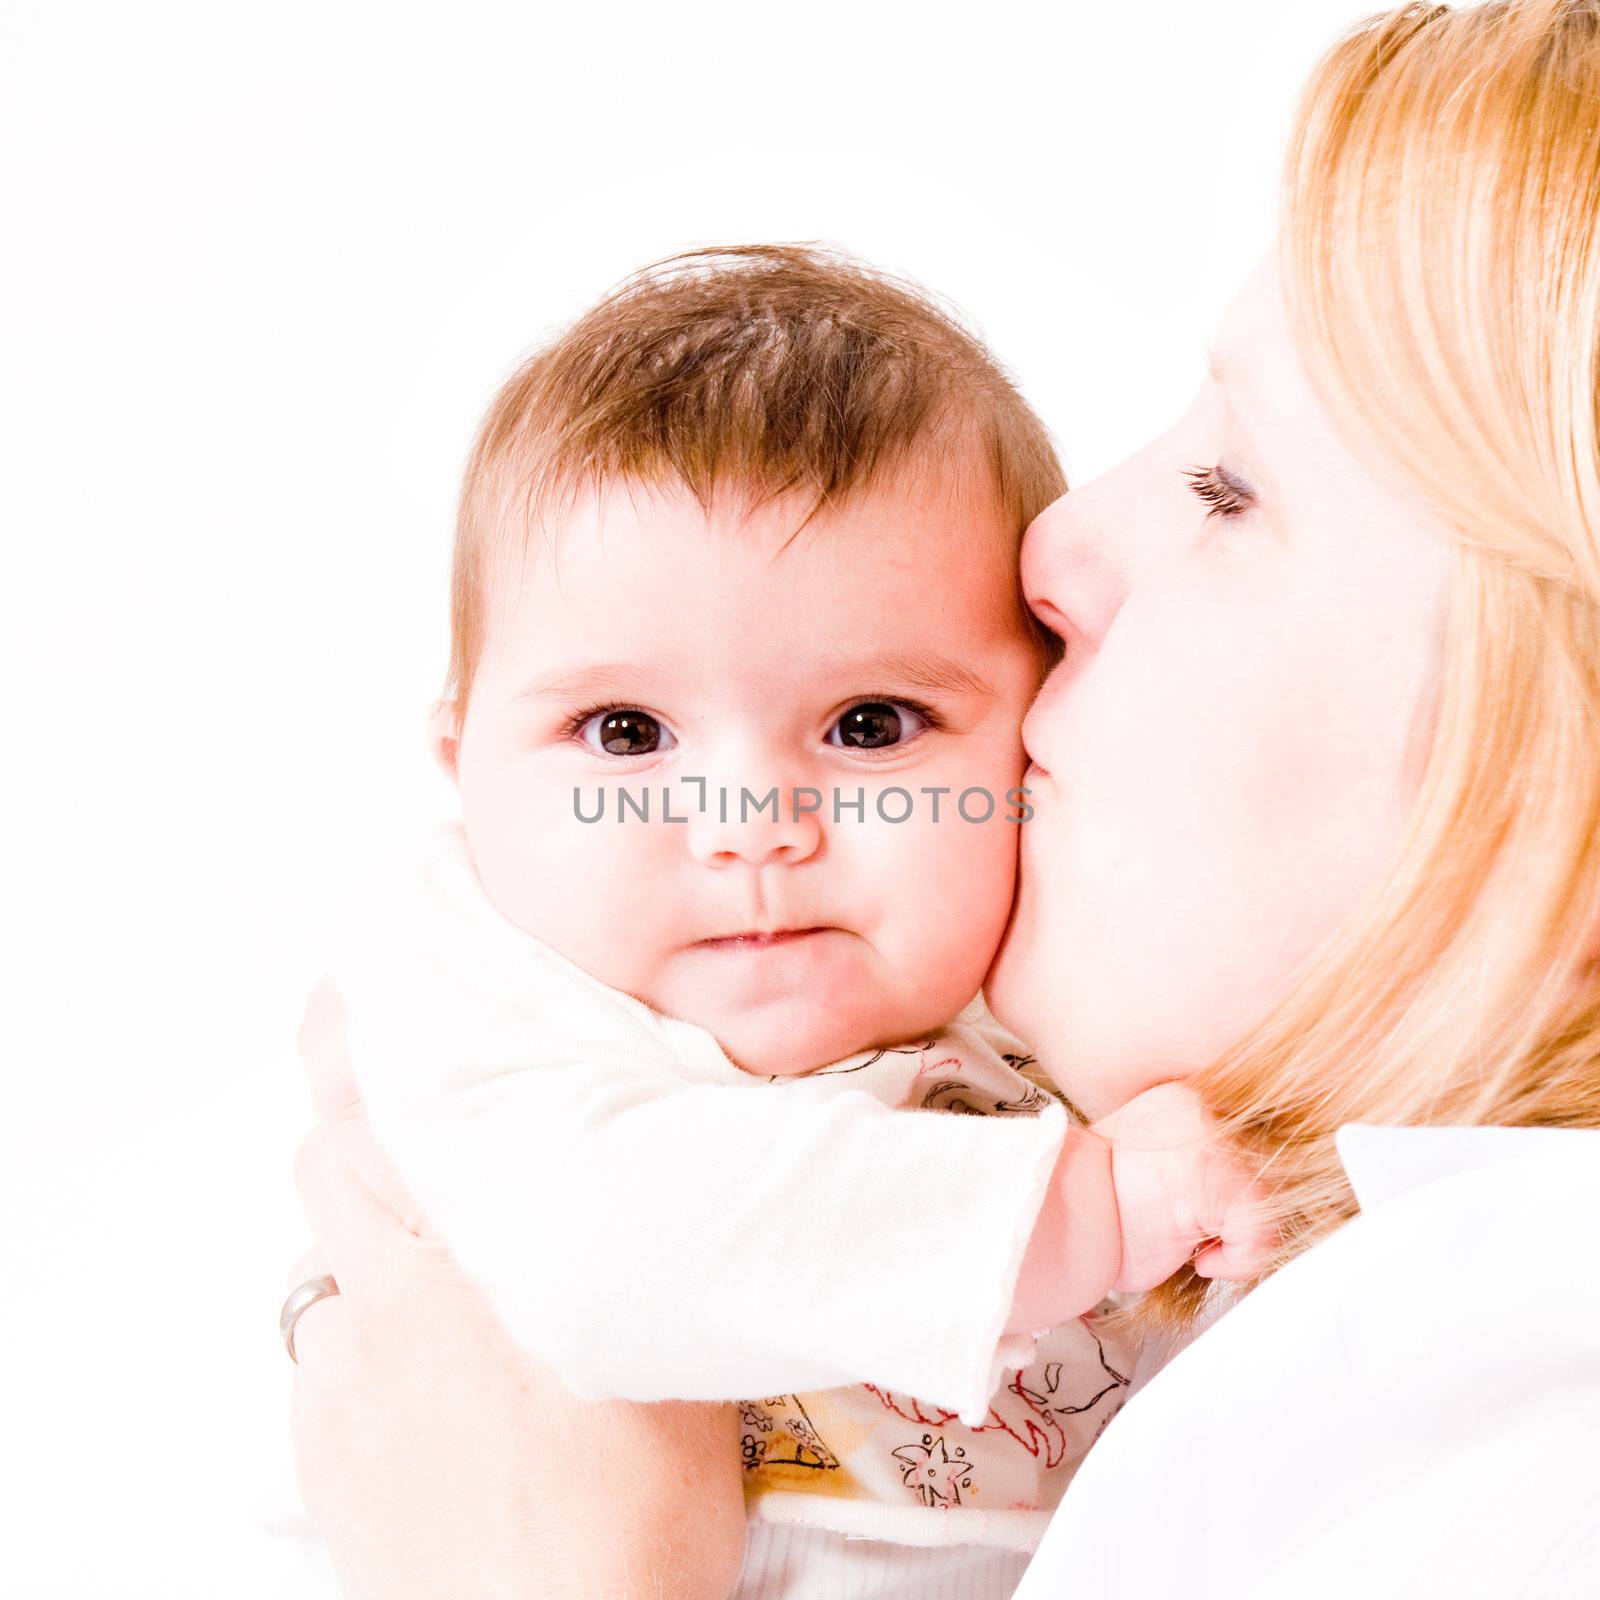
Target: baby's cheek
{"points": [[584, 889], [956, 899]]}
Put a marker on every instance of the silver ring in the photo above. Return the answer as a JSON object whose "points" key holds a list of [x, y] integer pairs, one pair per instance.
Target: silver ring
{"points": [[306, 1294]]}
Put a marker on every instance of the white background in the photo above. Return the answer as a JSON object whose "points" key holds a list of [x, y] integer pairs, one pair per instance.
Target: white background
{"points": [[262, 269]]}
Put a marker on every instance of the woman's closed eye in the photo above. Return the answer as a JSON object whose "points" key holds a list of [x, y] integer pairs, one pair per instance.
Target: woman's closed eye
{"points": [[880, 725], [1223, 494], [621, 731]]}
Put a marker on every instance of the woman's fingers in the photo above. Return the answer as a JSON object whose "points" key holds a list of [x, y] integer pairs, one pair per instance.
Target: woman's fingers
{"points": [[325, 1051], [326, 1054], [356, 1233], [311, 1265], [366, 1156]]}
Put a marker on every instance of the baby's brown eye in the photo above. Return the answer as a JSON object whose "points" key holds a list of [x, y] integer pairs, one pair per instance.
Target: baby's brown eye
{"points": [[625, 732], [874, 725]]}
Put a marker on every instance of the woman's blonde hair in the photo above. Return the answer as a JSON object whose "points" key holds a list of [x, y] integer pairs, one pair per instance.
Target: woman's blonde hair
{"points": [[1441, 253]]}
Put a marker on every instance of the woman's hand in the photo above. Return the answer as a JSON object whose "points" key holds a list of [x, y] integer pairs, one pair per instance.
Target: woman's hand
{"points": [[434, 1456]]}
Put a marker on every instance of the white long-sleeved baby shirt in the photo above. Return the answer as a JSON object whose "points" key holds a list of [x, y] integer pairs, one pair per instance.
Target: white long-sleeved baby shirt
{"points": [[655, 1223]]}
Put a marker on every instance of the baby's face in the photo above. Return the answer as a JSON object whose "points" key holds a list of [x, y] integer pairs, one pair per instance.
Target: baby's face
{"points": [[645, 646]]}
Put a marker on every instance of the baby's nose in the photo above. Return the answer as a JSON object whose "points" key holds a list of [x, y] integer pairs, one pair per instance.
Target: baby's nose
{"points": [[778, 825]]}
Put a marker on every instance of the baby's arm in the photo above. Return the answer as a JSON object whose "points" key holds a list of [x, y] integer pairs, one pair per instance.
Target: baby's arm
{"points": [[1130, 1201], [656, 1236], [1074, 1253], [660, 1230]]}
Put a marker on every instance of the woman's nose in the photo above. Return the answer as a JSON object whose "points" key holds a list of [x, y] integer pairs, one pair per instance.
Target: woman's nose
{"points": [[1075, 568], [775, 825], [1040, 559]]}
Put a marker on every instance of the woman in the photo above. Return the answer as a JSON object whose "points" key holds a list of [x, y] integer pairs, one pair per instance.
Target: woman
{"points": [[1317, 788]]}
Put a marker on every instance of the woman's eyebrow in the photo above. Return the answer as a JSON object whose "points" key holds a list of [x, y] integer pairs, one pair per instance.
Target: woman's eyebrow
{"points": [[1240, 395], [1225, 377]]}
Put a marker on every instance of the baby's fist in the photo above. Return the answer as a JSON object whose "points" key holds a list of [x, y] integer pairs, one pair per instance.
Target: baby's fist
{"points": [[1182, 1194]]}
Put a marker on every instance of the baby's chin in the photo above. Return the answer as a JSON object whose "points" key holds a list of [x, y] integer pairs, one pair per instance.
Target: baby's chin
{"points": [[788, 1008], [790, 1039]]}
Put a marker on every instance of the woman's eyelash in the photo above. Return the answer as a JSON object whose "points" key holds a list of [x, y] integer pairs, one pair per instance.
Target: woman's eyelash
{"points": [[1223, 494]]}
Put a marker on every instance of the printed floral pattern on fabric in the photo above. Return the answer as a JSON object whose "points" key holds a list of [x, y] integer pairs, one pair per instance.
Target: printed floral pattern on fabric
{"points": [[1032, 1409], [853, 1443], [864, 1443], [929, 1468], [777, 1432]]}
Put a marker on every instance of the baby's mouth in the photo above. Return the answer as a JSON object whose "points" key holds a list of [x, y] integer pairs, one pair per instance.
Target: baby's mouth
{"points": [[758, 939]]}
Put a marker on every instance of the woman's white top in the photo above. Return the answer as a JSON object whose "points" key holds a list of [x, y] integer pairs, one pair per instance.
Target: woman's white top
{"points": [[1411, 1408]]}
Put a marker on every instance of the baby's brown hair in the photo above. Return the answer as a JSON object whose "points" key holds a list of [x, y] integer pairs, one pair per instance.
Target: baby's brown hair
{"points": [[779, 368]]}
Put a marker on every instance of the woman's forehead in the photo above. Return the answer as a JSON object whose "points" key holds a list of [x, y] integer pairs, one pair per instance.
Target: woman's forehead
{"points": [[1305, 438], [1254, 359]]}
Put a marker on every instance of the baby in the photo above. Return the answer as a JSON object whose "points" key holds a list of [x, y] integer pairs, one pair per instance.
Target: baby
{"points": [[739, 669]]}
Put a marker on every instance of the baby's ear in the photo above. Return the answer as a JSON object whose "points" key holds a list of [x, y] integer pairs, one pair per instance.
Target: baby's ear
{"points": [[444, 735]]}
